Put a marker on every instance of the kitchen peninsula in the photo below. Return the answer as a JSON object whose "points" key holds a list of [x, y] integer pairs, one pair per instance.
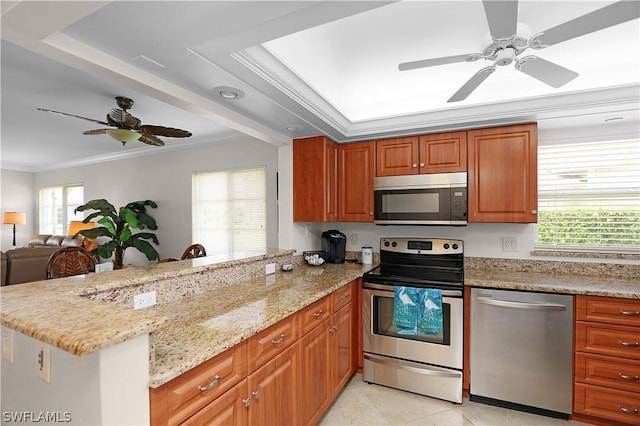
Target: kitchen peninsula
{"points": [[98, 342]]}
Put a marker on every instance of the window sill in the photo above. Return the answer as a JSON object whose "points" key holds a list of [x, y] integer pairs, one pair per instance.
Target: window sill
{"points": [[585, 253]]}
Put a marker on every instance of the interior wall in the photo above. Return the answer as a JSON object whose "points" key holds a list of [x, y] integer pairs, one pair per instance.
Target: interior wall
{"points": [[17, 195], [166, 179]]}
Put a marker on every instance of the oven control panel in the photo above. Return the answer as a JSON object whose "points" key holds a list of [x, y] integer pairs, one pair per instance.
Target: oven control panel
{"points": [[427, 246]]}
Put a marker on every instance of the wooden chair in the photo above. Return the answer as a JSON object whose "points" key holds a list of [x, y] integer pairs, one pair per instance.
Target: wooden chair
{"points": [[194, 250], [70, 261]]}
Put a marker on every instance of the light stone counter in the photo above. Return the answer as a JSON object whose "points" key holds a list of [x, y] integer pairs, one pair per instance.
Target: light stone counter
{"points": [[204, 325], [72, 314]]}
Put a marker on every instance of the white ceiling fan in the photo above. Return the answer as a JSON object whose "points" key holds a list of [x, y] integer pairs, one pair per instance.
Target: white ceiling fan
{"points": [[508, 38]]}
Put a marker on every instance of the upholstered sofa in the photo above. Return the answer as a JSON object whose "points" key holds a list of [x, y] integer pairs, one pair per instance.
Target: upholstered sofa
{"points": [[29, 263]]}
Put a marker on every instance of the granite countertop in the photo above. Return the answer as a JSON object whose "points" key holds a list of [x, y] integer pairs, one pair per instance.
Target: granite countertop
{"points": [[204, 325], [554, 282]]}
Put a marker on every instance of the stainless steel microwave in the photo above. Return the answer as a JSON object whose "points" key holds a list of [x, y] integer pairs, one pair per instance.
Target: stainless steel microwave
{"points": [[428, 199]]}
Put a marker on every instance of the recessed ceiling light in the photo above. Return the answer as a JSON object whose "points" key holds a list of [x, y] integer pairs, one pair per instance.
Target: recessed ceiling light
{"points": [[228, 93], [617, 118]]}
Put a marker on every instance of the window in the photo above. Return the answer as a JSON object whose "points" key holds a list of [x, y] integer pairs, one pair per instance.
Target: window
{"points": [[56, 207], [229, 210], [589, 196]]}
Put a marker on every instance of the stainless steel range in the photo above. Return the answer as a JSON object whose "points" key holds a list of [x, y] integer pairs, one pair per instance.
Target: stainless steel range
{"points": [[426, 363]]}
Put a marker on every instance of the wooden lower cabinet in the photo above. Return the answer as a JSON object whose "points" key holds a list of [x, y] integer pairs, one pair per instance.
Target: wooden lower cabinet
{"points": [[270, 379], [274, 390], [607, 361]]}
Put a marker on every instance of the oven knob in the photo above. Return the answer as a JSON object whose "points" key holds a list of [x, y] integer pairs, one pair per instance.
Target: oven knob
{"points": [[386, 243], [455, 247], [394, 244], [446, 246]]}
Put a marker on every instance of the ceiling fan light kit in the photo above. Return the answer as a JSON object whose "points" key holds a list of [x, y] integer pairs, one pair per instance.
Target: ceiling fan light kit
{"points": [[508, 38], [127, 128]]}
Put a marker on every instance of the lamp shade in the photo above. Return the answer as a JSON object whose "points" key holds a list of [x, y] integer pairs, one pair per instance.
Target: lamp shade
{"points": [[14, 218], [123, 135], [76, 226]]}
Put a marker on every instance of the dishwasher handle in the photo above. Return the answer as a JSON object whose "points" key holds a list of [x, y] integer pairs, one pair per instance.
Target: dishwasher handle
{"points": [[532, 306]]}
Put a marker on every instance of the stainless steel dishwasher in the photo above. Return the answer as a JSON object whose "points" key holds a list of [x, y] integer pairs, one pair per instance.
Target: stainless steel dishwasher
{"points": [[521, 350]]}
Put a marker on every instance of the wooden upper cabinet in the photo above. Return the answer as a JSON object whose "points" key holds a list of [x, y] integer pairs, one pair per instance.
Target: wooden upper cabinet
{"points": [[356, 172], [443, 152], [315, 180], [435, 153], [398, 156], [503, 174]]}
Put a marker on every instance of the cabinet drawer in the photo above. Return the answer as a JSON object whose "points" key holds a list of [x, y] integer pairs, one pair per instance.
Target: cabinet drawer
{"points": [[618, 373], [606, 339], [229, 409], [342, 296], [188, 393], [314, 314], [270, 342], [606, 403], [608, 309]]}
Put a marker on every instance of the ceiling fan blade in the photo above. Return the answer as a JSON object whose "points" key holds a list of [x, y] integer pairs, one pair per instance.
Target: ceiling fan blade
{"points": [[151, 140], [165, 131], [608, 16], [121, 118], [502, 17], [547, 72], [74, 116], [95, 132], [472, 84], [469, 57]]}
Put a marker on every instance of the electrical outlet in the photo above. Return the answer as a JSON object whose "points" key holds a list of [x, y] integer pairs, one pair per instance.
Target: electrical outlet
{"points": [[7, 344], [354, 239], [43, 361], [510, 244], [270, 268], [144, 300]]}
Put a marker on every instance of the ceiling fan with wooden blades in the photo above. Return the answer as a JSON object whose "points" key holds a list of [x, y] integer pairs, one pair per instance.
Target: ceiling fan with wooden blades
{"points": [[508, 38], [127, 128]]}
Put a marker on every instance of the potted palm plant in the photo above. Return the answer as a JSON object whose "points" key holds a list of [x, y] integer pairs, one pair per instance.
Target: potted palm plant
{"points": [[117, 227]]}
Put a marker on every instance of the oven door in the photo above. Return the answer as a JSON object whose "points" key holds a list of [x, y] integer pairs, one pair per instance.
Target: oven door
{"points": [[380, 334]]}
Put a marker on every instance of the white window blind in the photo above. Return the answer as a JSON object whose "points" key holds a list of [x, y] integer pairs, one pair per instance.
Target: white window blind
{"points": [[56, 206], [589, 196], [229, 210]]}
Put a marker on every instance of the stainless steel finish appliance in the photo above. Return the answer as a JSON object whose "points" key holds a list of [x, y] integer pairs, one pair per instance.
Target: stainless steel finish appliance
{"points": [[426, 364], [522, 350], [429, 199]]}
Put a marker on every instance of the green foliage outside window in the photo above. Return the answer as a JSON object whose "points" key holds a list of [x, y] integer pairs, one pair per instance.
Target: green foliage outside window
{"points": [[589, 227]]}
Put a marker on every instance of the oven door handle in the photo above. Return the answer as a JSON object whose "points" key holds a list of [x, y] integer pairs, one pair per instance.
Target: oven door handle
{"points": [[422, 370], [532, 306], [388, 288]]}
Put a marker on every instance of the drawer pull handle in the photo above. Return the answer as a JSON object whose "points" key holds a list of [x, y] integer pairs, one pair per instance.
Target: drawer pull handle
{"points": [[345, 296], [213, 384], [319, 313], [278, 340], [630, 344], [630, 313], [629, 377], [628, 410], [256, 394]]}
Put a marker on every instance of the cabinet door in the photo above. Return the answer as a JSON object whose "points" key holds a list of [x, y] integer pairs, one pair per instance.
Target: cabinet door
{"points": [[315, 179], [274, 391], [356, 173], [443, 152], [503, 164], [315, 376], [398, 156], [229, 409], [342, 351]]}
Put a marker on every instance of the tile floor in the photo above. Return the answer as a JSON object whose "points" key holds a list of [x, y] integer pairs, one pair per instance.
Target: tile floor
{"points": [[364, 404]]}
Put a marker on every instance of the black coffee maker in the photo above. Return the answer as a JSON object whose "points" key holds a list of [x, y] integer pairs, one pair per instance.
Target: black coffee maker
{"points": [[334, 243]]}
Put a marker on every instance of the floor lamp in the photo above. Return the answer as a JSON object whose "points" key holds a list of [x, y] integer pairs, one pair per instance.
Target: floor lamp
{"points": [[14, 218]]}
